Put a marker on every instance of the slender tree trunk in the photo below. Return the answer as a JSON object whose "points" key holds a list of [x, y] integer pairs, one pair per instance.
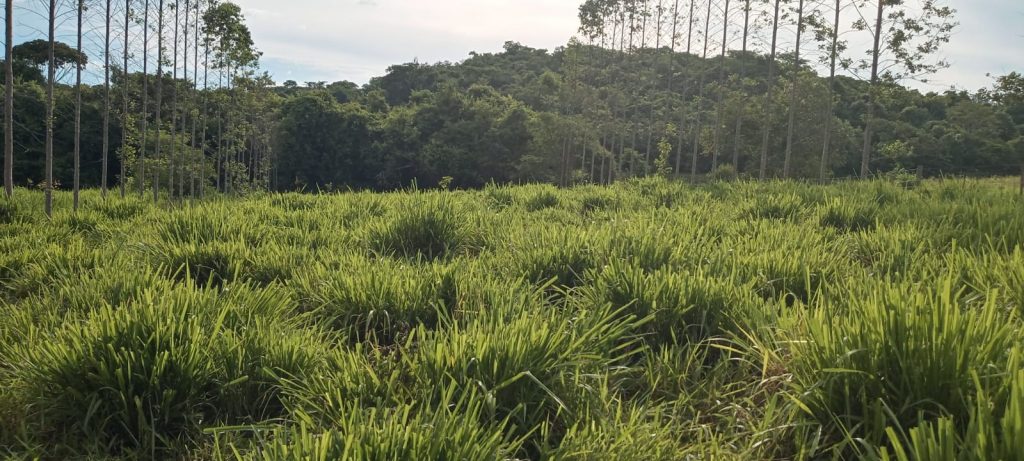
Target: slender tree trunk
{"points": [[172, 158], [793, 97], [78, 112], [721, 89], [737, 142], [202, 139], [183, 161], [865, 159], [833, 55], [195, 109], [9, 100], [700, 98], [125, 83], [106, 102], [682, 107], [50, 77], [768, 119], [141, 174], [159, 94]]}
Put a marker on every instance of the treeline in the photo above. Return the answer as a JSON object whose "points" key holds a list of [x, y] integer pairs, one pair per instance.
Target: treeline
{"points": [[720, 88]]}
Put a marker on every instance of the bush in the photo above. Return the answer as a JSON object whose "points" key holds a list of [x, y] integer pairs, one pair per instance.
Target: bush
{"points": [[898, 354], [428, 228]]}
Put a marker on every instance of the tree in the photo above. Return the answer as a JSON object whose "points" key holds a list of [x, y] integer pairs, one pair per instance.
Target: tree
{"points": [[159, 94], [140, 175], [51, 69], [9, 100], [787, 163], [78, 111], [700, 96], [126, 82], [904, 38], [106, 98], [742, 75], [721, 89], [767, 113]]}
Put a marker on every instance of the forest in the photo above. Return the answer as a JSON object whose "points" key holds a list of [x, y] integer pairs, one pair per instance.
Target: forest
{"points": [[755, 89]]}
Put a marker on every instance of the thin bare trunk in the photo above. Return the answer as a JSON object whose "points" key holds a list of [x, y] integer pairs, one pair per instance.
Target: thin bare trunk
{"points": [[159, 94], [106, 102], [865, 160], [50, 77], [9, 101], [794, 99], [721, 89], [78, 112], [833, 55], [768, 95], [700, 98], [124, 112], [172, 159], [737, 141], [141, 174]]}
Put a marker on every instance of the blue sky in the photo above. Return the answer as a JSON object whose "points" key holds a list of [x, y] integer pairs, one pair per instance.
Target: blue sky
{"points": [[330, 40]]}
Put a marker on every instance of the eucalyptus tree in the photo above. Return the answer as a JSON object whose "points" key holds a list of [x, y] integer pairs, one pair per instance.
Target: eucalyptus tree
{"points": [[172, 157], [159, 94], [108, 17], [78, 110], [125, 87], [742, 75], [140, 175], [827, 34], [794, 98], [904, 38], [721, 88], [50, 77], [767, 114], [682, 111], [700, 94], [9, 99]]}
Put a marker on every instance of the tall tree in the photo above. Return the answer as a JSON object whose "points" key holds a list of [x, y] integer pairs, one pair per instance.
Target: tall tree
{"points": [[125, 84], [767, 114], [700, 95], [9, 100], [140, 175], [743, 74], [106, 99], [793, 88], [904, 39], [172, 157], [682, 114], [721, 88], [50, 77], [78, 111], [159, 94], [832, 32]]}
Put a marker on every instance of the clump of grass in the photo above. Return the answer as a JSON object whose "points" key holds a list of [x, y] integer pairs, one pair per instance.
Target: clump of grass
{"points": [[682, 307], [784, 207], [898, 355], [551, 255], [378, 300], [146, 378], [848, 217], [429, 228], [448, 431], [541, 200], [528, 365]]}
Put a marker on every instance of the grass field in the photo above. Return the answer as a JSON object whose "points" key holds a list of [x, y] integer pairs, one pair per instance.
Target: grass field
{"points": [[647, 321]]}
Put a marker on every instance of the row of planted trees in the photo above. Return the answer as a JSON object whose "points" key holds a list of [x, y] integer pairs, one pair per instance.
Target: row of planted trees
{"points": [[694, 98], [178, 82]]}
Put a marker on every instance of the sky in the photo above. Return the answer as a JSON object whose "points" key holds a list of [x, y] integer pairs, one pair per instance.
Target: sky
{"points": [[330, 40], [355, 40]]}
